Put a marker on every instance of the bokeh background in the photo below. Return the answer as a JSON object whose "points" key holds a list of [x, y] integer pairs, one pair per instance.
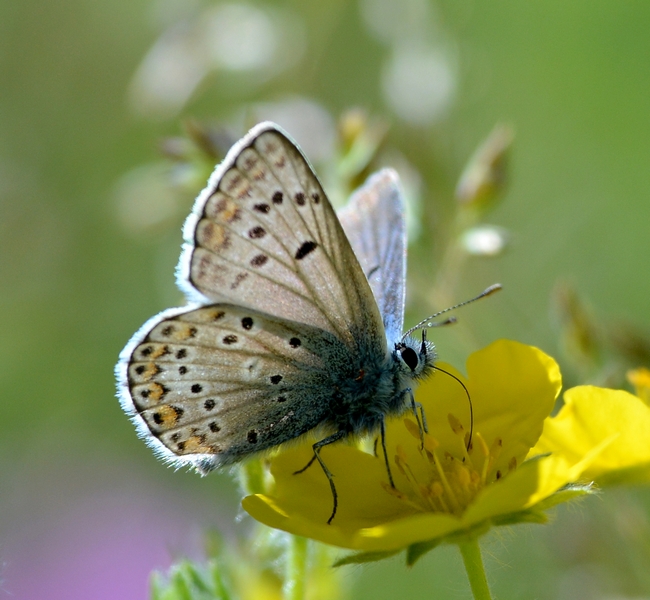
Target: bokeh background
{"points": [[90, 217]]}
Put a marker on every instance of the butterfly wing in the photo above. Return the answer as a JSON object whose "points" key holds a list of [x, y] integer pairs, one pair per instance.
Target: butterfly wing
{"points": [[373, 221], [281, 309], [209, 385], [263, 235]]}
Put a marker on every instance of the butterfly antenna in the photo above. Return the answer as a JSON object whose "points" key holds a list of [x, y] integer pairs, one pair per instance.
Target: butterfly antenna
{"points": [[471, 407], [425, 323]]}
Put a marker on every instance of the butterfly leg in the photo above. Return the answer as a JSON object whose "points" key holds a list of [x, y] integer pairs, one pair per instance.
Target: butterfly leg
{"points": [[309, 464], [383, 447], [335, 437], [420, 419], [425, 427]]}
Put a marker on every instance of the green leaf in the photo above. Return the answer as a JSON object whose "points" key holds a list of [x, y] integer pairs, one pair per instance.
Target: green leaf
{"points": [[179, 585], [567, 493], [522, 516], [221, 591], [365, 557], [416, 551]]}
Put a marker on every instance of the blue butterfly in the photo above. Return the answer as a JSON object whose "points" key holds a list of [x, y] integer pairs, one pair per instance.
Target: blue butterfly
{"points": [[294, 321]]}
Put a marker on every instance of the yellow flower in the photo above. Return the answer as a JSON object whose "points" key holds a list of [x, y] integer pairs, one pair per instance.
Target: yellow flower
{"points": [[443, 492], [614, 421]]}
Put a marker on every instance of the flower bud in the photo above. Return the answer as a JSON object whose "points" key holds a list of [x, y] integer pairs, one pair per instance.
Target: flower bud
{"points": [[484, 177]]}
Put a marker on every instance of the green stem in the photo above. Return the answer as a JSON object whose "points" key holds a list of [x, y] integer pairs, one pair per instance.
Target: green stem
{"points": [[471, 553], [296, 569]]}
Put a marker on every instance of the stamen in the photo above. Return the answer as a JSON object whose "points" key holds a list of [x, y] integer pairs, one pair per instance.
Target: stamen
{"points": [[438, 492], [401, 496], [447, 487], [413, 428], [459, 430], [463, 475], [485, 451], [457, 476], [456, 425], [495, 450], [430, 445]]}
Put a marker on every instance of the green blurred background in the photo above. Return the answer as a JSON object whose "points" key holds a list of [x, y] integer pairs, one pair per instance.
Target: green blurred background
{"points": [[90, 234]]}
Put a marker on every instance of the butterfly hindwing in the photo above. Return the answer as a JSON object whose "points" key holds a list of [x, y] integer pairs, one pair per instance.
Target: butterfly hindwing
{"points": [[263, 235], [209, 385], [373, 221]]}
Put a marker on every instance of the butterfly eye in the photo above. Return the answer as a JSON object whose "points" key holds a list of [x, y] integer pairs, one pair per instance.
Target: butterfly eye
{"points": [[410, 357]]}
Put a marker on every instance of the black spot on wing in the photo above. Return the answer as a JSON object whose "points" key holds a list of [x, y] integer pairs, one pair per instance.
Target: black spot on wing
{"points": [[238, 279], [256, 232], [305, 249], [259, 260]]}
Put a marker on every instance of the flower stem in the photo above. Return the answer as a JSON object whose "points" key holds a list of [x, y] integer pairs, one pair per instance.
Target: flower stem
{"points": [[471, 553], [296, 569]]}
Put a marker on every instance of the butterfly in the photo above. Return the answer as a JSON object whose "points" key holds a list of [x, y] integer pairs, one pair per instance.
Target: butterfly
{"points": [[294, 321]]}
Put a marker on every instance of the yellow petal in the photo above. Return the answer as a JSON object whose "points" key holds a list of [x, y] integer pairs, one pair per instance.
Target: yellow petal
{"points": [[520, 398], [592, 416], [513, 388], [358, 477]]}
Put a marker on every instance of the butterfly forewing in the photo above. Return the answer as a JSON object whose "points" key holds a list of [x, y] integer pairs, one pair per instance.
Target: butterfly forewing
{"points": [[212, 384], [373, 221], [284, 328], [263, 235]]}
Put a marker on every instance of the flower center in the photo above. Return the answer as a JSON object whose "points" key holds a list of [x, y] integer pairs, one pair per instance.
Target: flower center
{"points": [[445, 480]]}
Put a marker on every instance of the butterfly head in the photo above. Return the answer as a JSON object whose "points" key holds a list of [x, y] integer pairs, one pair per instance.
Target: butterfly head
{"points": [[415, 357]]}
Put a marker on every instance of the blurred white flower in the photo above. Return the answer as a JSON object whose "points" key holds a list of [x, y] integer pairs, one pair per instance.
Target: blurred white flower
{"points": [[240, 37], [485, 240], [418, 83], [246, 44]]}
